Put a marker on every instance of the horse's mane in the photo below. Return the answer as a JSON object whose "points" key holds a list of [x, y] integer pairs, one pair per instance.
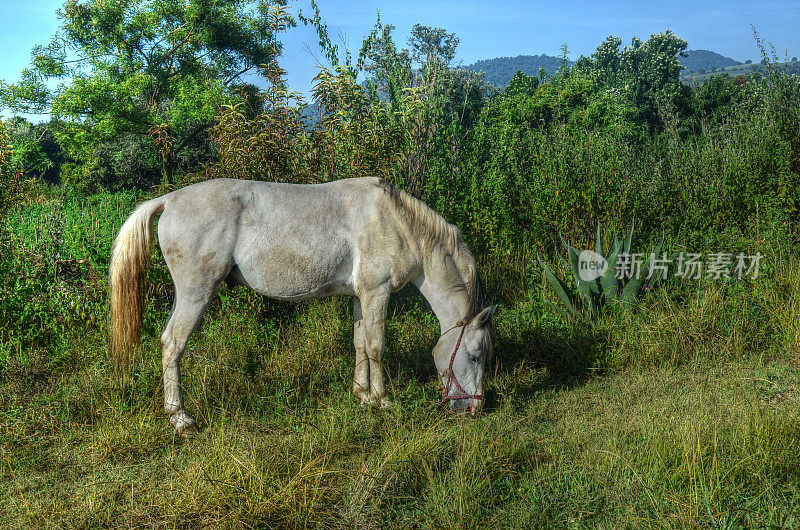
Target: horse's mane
{"points": [[433, 231]]}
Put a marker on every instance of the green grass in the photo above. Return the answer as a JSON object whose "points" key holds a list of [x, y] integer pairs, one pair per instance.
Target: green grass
{"points": [[54, 254], [681, 413], [693, 441], [72, 229]]}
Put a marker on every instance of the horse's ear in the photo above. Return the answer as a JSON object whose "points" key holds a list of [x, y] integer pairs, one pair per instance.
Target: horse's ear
{"points": [[483, 318]]}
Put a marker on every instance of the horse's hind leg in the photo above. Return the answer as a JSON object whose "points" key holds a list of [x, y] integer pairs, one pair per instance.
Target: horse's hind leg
{"points": [[361, 376], [184, 319]]}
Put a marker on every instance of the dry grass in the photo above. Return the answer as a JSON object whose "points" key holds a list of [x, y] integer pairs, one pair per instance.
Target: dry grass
{"points": [[682, 438]]}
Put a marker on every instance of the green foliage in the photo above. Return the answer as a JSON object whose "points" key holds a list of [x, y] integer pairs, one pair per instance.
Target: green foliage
{"points": [[579, 150], [434, 106], [36, 152], [646, 73], [522, 85], [29, 158], [80, 180], [329, 49], [351, 136], [388, 68], [431, 45], [14, 188], [354, 135], [266, 146], [720, 96], [133, 65], [8, 175], [54, 268], [411, 139]]}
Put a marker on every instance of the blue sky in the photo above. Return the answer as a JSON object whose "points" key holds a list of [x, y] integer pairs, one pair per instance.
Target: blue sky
{"points": [[486, 29]]}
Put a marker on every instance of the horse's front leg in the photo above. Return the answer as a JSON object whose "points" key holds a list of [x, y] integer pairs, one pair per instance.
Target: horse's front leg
{"points": [[374, 308], [361, 376]]}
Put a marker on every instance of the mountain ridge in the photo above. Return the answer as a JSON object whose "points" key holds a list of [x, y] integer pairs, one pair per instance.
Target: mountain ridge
{"points": [[500, 70], [697, 60]]}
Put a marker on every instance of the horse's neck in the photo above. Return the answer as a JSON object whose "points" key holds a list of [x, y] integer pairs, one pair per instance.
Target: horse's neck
{"points": [[442, 284]]}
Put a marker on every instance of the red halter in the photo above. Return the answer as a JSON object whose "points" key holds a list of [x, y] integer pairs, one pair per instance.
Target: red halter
{"points": [[451, 377]]}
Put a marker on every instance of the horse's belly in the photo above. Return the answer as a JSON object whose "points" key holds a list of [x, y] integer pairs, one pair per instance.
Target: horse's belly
{"points": [[284, 274]]}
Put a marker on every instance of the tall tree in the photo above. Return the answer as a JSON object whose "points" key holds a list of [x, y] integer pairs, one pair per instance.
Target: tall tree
{"points": [[646, 72], [436, 102], [157, 68]]}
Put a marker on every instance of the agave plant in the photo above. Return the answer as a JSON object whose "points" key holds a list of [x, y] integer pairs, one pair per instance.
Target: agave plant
{"points": [[617, 278]]}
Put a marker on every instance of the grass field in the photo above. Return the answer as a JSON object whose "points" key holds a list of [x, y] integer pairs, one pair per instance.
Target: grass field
{"points": [[679, 410], [283, 443], [682, 413]]}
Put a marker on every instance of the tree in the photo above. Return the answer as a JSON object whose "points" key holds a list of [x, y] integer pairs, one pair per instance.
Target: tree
{"points": [[718, 98], [8, 176], [158, 68], [522, 84], [35, 153], [432, 44], [388, 69], [437, 103], [646, 72]]}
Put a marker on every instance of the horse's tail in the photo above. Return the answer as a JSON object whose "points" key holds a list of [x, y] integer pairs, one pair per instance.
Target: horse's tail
{"points": [[130, 258]]}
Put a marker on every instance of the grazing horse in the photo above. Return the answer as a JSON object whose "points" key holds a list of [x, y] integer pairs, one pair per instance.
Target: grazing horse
{"points": [[362, 237]]}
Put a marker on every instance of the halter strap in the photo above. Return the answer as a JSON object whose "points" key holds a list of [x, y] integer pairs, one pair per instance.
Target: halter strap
{"points": [[451, 328], [451, 377]]}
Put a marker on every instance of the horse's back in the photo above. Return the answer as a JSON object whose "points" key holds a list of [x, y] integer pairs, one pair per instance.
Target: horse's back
{"points": [[285, 241]]}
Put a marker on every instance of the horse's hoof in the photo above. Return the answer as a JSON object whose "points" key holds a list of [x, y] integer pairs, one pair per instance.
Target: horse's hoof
{"points": [[183, 424], [187, 430]]}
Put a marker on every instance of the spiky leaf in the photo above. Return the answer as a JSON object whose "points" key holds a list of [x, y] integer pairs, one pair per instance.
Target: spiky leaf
{"points": [[629, 240], [567, 297], [609, 280], [599, 245]]}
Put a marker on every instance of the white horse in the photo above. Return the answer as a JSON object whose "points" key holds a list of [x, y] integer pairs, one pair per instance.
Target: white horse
{"points": [[361, 237]]}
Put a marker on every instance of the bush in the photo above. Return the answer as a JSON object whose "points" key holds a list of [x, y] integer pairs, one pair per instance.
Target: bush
{"points": [[79, 179], [54, 267]]}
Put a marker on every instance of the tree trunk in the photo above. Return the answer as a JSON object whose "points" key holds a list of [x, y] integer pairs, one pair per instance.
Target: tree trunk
{"points": [[166, 171]]}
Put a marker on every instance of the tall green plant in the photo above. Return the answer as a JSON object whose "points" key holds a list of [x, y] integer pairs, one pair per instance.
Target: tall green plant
{"points": [[620, 280], [12, 183]]}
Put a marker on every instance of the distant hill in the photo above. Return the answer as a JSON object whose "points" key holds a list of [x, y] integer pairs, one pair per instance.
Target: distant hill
{"points": [[705, 60], [696, 78], [500, 70]]}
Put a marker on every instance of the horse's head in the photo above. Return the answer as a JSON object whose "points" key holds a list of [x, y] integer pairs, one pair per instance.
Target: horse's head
{"points": [[461, 357]]}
